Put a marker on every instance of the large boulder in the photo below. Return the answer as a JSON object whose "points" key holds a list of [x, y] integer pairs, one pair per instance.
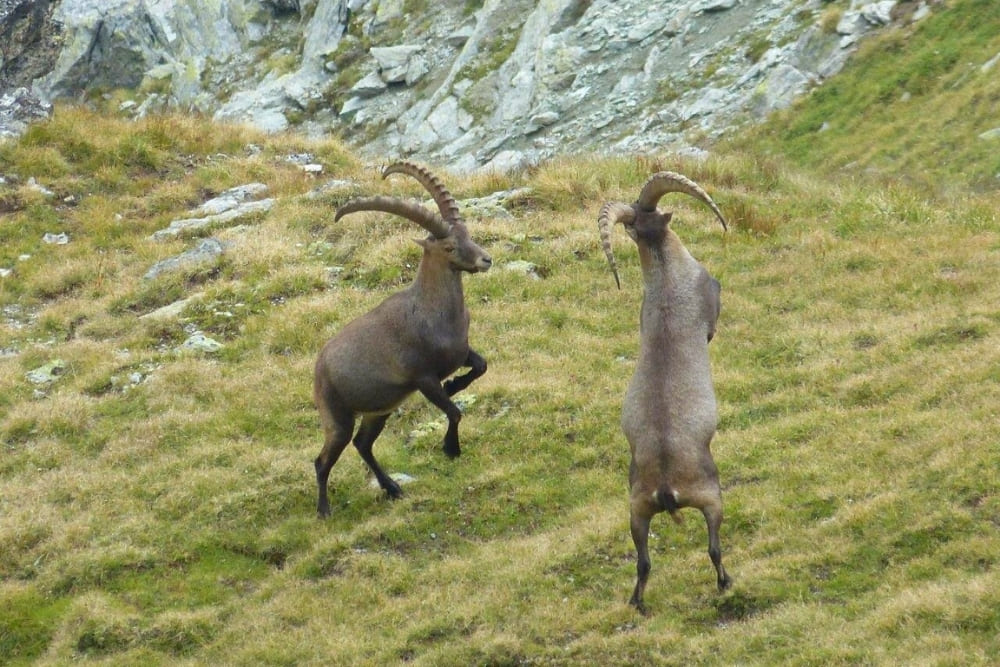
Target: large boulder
{"points": [[18, 109], [29, 39]]}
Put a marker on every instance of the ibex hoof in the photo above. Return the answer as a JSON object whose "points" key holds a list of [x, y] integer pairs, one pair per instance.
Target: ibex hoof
{"points": [[639, 606]]}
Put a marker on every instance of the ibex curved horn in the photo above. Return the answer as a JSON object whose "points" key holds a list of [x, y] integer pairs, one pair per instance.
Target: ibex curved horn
{"points": [[611, 214], [663, 182], [410, 210], [445, 202]]}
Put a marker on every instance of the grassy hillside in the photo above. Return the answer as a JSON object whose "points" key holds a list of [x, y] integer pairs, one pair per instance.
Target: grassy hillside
{"points": [[158, 507], [912, 103]]}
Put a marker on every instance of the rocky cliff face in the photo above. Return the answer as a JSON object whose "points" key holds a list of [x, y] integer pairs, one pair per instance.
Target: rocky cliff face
{"points": [[468, 83]]}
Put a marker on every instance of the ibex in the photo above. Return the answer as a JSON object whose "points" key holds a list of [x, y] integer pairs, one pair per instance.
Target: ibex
{"points": [[410, 342], [669, 413]]}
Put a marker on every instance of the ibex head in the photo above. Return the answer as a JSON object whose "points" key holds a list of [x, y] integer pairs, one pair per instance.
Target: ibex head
{"points": [[448, 234], [643, 221]]}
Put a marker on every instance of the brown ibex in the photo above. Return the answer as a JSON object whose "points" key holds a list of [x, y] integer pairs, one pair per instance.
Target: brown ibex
{"points": [[410, 342], [669, 412]]}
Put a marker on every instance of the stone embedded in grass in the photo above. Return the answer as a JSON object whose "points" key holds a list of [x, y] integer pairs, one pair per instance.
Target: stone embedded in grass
{"points": [[208, 250], [199, 342], [524, 268], [333, 185], [171, 310], [48, 373], [400, 478], [464, 400], [38, 187], [231, 198], [56, 239], [493, 205], [187, 225], [426, 428]]}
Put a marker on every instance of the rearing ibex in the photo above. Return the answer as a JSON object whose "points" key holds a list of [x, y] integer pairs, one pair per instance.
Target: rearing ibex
{"points": [[669, 413], [410, 342]]}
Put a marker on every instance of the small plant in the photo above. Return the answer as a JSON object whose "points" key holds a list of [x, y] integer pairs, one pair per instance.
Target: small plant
{"points": [[830, 19]]}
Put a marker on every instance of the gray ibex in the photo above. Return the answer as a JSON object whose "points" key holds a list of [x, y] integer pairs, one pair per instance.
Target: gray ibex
{"points": [[410, 342], [669, 413]]}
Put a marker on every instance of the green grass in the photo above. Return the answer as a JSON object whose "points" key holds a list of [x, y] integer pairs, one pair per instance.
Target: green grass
{"points": [[172, 520], [910, 104]]}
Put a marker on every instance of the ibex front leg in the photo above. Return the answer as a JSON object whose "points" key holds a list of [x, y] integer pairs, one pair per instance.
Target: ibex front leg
{"points": [[436, 394], [478, 366]]}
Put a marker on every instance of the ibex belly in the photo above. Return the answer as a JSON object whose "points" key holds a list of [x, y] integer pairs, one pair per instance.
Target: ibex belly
{"points": [[669, 423]]}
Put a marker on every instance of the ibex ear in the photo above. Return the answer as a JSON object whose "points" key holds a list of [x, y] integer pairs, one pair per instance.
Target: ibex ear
{"points": [[423, 243]]}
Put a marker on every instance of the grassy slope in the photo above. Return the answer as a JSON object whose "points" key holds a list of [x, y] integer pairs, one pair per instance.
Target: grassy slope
{"points": [[856, 366], [912, 103]]}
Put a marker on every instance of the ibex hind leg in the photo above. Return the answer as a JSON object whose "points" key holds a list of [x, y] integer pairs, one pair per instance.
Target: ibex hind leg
{"points": [[713, 519], [640, 536], [371, 427], [336, 436]]}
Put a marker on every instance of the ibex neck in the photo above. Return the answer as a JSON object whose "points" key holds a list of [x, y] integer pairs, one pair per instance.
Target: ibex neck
{"points": [[656, 268], [667, 304], [439, 283]]}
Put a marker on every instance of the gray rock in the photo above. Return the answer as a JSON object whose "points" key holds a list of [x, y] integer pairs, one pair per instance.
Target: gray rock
{"points": [[782, 85], [188, 225], [459, 36], [231, 198], [39, 188], [508, 160], [199, 342], [544, 119], [852, 23], [491, 206], [524, 268], [878, 13], [394, 61], [416, 68], [170, 311], [606, 75], [324, 32], [62, 238], [333, 185], [351, 107], [387, 10], [18, 109], [206, 252], [369, 86], [713, 5], [47, 373], [400, 478]]}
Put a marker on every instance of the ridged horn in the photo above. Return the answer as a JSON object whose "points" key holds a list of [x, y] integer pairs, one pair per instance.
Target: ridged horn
{"points": [[663, 182], [410, 210], [445, 202], [611, 214]]}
